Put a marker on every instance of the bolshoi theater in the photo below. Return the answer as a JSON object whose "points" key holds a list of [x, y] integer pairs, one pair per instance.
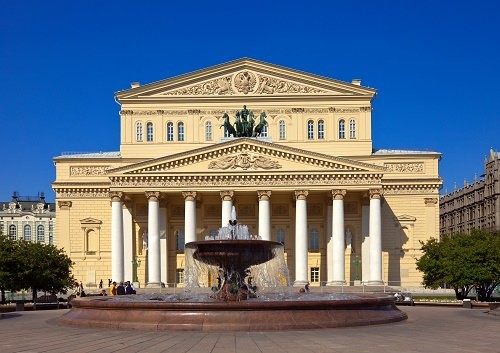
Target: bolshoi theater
{"points": [[290, 152]]}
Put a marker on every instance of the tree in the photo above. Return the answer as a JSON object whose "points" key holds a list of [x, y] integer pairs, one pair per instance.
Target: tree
{"points": [[34, 265], [464, 262]]}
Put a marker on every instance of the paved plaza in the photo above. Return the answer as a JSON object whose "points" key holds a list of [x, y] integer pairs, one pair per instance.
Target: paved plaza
{"points": [[428, 329]]}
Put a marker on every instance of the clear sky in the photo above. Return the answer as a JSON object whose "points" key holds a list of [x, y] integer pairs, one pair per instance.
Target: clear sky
{"points": [[435, 65]]}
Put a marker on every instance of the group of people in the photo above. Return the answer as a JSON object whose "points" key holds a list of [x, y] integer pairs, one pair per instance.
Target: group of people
{"points": [[122, 289]]}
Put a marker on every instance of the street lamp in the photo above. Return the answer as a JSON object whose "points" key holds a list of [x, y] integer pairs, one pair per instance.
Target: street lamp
{"points": [[136, 263]]}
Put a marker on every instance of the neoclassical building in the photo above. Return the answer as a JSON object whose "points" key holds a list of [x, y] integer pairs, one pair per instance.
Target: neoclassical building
{"points": [[346, 213]]}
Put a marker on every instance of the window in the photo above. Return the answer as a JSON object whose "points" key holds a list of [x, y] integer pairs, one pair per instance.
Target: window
{"points": [[352, 129], [1, 227], [281, 236], [342, 129], [179, 239], [170, 131], [310, 130], [27, 232], [180, 132], [179, 275], [314, 240], [314, 274], [149, 128], [208, 131], [282, 129], [321, 130], [51, 239], [263, 133], [40, 234], [138, 131], [12, 232]]}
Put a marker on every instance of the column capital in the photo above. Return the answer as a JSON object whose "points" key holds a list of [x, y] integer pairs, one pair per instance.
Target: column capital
{"points": [[338, 194], [189, 195], [153, 195], [116, 196], [376, 193], [64, 205], [225, 195], [264, 195], [301, 194]]}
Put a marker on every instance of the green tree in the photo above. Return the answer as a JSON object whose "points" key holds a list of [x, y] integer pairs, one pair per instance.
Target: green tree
{"points": [[9, 275], [464, 262]]}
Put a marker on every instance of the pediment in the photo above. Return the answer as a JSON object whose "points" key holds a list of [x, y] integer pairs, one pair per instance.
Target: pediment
{"points": [[244, 77], [90, 221], [245, 156]]}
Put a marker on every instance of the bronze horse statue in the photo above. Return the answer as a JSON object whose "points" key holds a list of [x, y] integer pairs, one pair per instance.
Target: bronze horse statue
{"points": [[228, 128], [260, 126]]}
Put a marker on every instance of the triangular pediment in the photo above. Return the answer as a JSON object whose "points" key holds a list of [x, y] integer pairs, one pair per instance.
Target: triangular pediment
{"points": [[90, 221], [244, 78], [246, 156]]}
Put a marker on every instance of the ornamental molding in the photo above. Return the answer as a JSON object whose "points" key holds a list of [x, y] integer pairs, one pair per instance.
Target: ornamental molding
{"points": [[88, 170], [227, 195], [411, 189], [417, 167], [244, 161], [64, 205], [339, 194], [288, 180], [430, 201], [82, 193], [264, 195], [245, 82]]}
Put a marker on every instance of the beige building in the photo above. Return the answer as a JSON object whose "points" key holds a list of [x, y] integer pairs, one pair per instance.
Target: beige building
{"points": [[476, 205], [346, 213]]}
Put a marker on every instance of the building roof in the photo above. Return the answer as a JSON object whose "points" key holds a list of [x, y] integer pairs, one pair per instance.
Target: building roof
{"points": [[378, 152], [69, 155]]}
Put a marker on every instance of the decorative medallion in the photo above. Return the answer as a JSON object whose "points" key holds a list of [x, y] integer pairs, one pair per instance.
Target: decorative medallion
{"points": [[244, 161]]}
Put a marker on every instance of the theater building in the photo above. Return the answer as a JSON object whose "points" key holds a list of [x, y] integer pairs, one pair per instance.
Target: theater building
{"points": [[310, 179]]}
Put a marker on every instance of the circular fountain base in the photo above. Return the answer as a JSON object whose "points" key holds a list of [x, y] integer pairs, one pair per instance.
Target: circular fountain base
{"points": [[232, 316]]}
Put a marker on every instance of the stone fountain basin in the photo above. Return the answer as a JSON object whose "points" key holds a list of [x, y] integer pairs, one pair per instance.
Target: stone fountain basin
{"points": [[233, 254], [216, 316]]}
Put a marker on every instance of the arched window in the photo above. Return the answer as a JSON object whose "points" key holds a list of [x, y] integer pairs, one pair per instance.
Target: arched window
{"points": [[208, 131], [282, 129], [310, 130], [180, 131], [281, 236], [352, 129], [138, 131], [149, 128], [27, 232], [342, 129], [40, 234], [12, 232], [314, 240], [321, 130], [179, 239], [170, 131]]}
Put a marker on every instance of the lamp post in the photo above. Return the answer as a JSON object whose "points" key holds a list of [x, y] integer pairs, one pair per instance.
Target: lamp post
{"points": [[356, 268], [136, 263]]}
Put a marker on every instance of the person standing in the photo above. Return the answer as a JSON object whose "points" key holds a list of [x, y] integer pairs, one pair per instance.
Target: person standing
{"points": [[112, 290], [100, 284]]}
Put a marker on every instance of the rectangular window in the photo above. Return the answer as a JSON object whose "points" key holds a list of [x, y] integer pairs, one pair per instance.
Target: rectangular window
{"points": [[179, 275], [315, 274]]}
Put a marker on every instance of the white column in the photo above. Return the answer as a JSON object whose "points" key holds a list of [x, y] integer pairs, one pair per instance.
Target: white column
{"points": [[329, 245], [189, 216], [264, 214], [338, 242], [375, 237], [154, 261], [301, 277], [163, 243], [117, 261], [365, 245], [227, 206], [128, 245]]}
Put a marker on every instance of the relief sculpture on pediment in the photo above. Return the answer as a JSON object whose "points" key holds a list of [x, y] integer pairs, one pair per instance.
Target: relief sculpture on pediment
{"points": [[244, 161], [245, 82]]}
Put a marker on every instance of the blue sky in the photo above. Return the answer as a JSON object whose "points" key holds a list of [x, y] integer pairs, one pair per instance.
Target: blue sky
{"points": [[435, 65]]}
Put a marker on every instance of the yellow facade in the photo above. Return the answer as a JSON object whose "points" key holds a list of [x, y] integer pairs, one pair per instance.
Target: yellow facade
{"points": [[172, 142]]}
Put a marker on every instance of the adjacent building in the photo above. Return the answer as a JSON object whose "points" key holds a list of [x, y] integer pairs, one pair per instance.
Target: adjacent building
{"points": [[476, 205], [30, 218], [310, 178]]}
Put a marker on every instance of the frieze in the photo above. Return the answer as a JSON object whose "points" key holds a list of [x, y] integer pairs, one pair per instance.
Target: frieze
{"points": [[404, 167], [82, 193], [244, 161], [245, 82], [410, 189], [343, 110], [88, 170]]}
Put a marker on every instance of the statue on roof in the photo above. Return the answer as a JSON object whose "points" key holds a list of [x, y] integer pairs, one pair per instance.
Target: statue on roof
{"points": [[244, 125]]}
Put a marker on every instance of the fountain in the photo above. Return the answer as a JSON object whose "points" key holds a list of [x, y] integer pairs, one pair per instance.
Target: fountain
{"points": [[252, 294]]}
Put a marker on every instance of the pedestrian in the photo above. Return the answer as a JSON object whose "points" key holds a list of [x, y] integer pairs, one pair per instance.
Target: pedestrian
{"points": [[120, 289], [112, 290], [81, 286], [109, 282], [103, 293], [128, 288], [100, 284]]}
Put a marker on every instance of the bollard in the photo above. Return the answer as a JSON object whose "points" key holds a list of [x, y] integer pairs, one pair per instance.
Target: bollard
{"points": [[20, 305], [467, 304]]}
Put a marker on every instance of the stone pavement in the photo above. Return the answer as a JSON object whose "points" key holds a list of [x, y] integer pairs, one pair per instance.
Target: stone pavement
{"points": [[428, 329]]}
